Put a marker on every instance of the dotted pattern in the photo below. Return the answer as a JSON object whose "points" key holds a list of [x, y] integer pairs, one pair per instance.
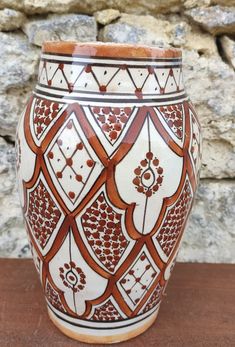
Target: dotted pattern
{"points": [[44, 113], [43, 214], [53, 298], [174, 221], [70, 161], [138, 279], [106, 312], [154, 299], [103, 230], [111, 120], [173, 115]]}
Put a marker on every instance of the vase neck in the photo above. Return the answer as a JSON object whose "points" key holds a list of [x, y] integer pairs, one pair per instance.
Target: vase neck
{"points": [[79, 77]]}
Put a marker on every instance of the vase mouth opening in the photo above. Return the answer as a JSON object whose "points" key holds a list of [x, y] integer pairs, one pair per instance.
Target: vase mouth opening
{"points": [[110, 49]]}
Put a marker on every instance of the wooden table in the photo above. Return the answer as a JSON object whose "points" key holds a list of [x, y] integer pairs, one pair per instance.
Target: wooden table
{"points": [[199, 309]]}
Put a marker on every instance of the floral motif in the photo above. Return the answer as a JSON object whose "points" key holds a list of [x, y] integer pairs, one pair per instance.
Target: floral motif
{"points": [[149, 176], [72, 276]]}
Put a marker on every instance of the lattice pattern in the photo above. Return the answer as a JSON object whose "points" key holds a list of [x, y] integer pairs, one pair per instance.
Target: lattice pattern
{"points": [[174, 221], [138, 279], [70, 161], [103, 230], [43, 214], [106, 312], [173, 115]]}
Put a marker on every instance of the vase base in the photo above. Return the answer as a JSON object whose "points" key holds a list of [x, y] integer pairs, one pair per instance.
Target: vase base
{"points": [[104, 338]]}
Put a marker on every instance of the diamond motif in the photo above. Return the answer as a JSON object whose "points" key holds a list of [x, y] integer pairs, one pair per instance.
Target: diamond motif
{"points": [[70, 161], [138, 279], [103, 230], [175, 220], [43, 214]]}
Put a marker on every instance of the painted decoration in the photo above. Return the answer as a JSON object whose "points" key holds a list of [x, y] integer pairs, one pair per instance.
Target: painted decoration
{"points": [[108, 158]]}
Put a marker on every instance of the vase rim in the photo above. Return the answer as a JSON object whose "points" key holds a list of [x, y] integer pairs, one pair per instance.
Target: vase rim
{"points": [[110, 49]]}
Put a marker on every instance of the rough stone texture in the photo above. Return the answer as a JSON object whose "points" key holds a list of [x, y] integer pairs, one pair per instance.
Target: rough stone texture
{"points": [[91, 6], [228, 46], [215, 19], [157, 31], [13, 240], [210, 234], [11, 19], [106, 16], [196, 3], [18, 68], [209, 80], [223, 2], [70, 27]]}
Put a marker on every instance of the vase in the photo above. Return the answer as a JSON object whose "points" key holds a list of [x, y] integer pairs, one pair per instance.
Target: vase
{"points": [[108, 155]]}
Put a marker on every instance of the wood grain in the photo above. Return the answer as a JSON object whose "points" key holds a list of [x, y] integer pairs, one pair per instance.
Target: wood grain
{"points": [[199, 309]]}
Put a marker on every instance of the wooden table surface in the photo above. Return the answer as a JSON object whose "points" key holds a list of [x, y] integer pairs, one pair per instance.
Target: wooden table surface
{"points": [[199, 309]]}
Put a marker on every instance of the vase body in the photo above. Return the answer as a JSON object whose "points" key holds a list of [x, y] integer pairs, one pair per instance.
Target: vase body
{"points": [[108, 154]]}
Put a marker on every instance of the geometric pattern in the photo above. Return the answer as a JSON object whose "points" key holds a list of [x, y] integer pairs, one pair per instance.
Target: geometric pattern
{"points": [[43, 215], [106, 312], [70, 161], [111, 120], [53, 298], [171, 228], [173, 115], [154, 299], [45, 111], [139, 277], [138, 80], [103, 230], [104, 248]]}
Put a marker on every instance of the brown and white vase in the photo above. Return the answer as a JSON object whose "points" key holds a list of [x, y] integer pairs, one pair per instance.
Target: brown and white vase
{"points": [[109, 151]]}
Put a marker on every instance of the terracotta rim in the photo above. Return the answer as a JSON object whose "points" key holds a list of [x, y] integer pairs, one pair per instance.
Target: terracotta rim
{"points": [[108, 49]]}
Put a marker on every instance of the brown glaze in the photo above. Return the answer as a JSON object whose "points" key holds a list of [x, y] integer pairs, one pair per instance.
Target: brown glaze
{"points": [[101, 49]]}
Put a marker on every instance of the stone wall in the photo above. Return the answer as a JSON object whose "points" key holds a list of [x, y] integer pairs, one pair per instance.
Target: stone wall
{"points": [[205, 29]]}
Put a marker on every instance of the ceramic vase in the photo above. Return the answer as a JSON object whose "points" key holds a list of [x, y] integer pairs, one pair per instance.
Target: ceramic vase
{"points": [[108, 154]]}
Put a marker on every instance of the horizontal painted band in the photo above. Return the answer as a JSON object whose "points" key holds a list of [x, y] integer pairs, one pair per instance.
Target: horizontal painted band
{"points": [[108, 98], [118, 60], [107, 325]]}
